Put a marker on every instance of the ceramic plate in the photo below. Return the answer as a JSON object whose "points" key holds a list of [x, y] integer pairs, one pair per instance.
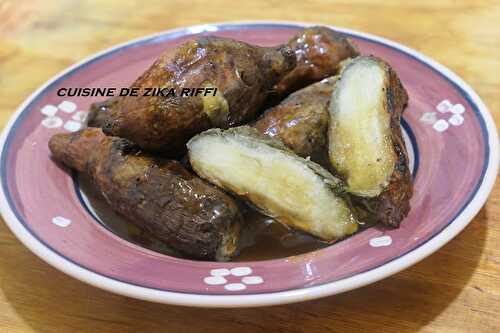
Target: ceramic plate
{"points": [[453, 147]]}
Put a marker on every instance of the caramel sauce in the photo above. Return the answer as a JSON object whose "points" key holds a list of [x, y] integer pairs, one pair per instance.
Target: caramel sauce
{"points": [[262, 238]]}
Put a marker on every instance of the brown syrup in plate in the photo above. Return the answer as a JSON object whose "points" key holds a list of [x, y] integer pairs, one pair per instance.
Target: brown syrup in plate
{"points": [[262, 237]]}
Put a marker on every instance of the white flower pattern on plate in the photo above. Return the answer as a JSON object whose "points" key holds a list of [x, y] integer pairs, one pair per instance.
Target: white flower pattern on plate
{"points": [[443, 107], [72, 124], [221, 276]]}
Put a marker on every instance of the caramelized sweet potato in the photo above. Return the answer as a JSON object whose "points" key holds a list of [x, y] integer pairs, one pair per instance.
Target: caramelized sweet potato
{"points": [[242, 74], [301, 121], [99, 112], [366, 146], [294, 191], [155, 194], [319, 50]]}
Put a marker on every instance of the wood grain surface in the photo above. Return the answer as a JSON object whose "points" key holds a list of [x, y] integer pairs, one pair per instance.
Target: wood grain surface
{"points": [[456, 289]]}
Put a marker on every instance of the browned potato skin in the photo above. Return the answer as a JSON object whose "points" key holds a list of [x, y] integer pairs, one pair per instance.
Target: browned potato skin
{"points": [[393, 204], [158, 195], [301, 121], [99, 112], [319, 50], [244, 75]]}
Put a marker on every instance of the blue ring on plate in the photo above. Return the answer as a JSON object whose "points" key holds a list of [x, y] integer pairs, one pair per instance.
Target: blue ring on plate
{"points": [[188, 32]]}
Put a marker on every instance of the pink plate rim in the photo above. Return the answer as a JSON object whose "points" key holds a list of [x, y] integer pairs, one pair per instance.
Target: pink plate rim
{"points": [[271, 298]]}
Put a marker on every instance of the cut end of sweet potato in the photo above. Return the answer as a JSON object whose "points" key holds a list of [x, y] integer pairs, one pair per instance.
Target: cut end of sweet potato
{"points": [[294, 191], [361, 148]]}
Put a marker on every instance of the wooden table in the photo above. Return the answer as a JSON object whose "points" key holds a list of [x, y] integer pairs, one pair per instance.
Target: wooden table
{"points": [[455, 290]]}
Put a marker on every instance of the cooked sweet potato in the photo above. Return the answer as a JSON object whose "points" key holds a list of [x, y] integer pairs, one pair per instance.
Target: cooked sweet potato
{"points": [[242, 74], [99, 112], [301, 121], [366, 146], [292, 190], [157, 195], [319, 50]]}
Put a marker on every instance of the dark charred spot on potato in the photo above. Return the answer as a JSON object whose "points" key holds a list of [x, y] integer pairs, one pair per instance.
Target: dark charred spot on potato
{"points": [[206, 227], [164, 201], [246, 78], [390, 100], [129, 148], [287, 52], [108, 126], [401, 165], [389, 213]]}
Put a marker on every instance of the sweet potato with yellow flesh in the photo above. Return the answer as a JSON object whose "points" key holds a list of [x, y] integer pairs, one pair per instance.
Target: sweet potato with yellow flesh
{"points": [[291, 189], [158, 195], [366, 146]]}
